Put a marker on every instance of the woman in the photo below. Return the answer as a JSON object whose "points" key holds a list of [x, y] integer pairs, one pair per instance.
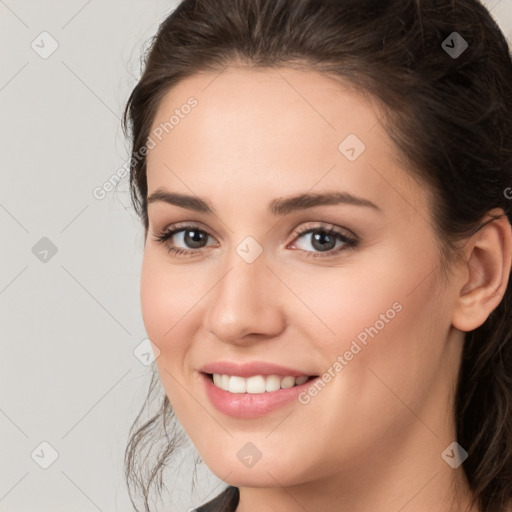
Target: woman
{"points": [[325, 191]]}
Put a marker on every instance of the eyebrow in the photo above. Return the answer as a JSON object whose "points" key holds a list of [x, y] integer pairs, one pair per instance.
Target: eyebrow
{"points": [[279, 206]]}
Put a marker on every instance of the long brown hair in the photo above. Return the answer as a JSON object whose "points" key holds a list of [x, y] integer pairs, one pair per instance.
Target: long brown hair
{"points": [[450, 117]]}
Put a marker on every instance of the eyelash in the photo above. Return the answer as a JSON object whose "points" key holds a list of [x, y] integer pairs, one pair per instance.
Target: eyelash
{"points": [[349, 243]]}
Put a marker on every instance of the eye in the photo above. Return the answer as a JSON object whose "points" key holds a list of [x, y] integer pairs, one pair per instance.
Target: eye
{"points": [[324, 240], [189, 234]]}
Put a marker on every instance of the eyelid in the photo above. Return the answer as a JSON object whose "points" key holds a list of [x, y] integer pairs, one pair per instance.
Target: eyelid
{"points": [[299, 230], [349, 242], [178, 226], [313, 226]]}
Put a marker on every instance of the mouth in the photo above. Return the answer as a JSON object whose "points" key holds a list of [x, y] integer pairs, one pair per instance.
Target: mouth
{"points": [[254, 388], [255, 396], [257, 384]]}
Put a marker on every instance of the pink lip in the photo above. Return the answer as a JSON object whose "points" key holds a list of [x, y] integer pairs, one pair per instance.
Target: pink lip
{"points": [[250, 405], [251, 369]]}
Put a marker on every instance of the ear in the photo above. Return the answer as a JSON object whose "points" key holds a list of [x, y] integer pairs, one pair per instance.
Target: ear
{"points": [[484, 272]]}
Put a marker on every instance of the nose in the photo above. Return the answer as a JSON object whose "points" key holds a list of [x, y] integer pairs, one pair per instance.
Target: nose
{"points": [[244, 306]]}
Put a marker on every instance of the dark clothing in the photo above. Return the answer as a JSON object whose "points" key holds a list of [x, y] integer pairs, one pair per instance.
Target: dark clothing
{"points": [[227, 501]]}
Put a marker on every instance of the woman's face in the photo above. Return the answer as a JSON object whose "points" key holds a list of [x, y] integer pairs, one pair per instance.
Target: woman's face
{"points": [[365, 305]]}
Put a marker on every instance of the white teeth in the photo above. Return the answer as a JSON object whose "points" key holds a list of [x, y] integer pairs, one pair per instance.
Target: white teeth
{"points": [[237, 384], [224, 382], [256, 384], [273, 383], [288, 382], [301, 380]]}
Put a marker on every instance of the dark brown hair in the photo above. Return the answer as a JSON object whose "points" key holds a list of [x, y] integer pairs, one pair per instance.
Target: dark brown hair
{"points": [[450, 118]]}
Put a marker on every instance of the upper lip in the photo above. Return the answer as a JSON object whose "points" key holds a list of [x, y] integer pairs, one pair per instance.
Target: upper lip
{"points": [[249, 369]]}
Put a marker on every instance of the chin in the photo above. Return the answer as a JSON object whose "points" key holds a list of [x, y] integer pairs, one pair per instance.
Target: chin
{"points": [[261, 474], [252, 478]]}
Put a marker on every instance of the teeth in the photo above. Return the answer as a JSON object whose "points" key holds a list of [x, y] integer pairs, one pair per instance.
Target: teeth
{"points": [[256, 384], [272, 383]]}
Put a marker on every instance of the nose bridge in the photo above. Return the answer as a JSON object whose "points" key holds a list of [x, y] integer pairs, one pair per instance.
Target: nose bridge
{"points": [[240, 303], [241, 288], [247, 271]]}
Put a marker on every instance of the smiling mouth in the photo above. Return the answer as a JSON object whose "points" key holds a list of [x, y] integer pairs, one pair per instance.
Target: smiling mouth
{"points": [[257, 384]]}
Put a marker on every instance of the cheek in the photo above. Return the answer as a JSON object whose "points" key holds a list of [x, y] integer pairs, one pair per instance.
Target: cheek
{"points": [[385, 311], [357, 302], [390, 324], [154, 300], [165, 299]]}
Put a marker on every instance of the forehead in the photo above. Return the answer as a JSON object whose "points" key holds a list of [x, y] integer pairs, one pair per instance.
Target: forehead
{"points": [[268, 104], [268, 129]]}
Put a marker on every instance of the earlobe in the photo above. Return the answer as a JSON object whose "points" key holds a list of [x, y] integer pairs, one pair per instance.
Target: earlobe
{"points": [[485, 274]]}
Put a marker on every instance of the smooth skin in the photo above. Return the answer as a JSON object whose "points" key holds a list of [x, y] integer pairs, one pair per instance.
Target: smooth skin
{"points": [[372, 439]]}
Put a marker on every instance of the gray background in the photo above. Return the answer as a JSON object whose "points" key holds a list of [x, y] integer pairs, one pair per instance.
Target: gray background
{"points": [[71, 318]]}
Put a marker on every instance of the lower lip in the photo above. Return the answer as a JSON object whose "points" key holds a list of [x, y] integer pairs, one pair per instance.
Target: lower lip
{"points": [[251, 405]]}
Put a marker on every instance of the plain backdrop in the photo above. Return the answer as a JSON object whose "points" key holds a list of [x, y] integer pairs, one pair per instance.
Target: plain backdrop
{"points": [[72, 377]]}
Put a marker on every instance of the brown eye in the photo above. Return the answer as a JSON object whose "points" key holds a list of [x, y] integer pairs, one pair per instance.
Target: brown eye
{"points": [[323, 240], [192, 237]]}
